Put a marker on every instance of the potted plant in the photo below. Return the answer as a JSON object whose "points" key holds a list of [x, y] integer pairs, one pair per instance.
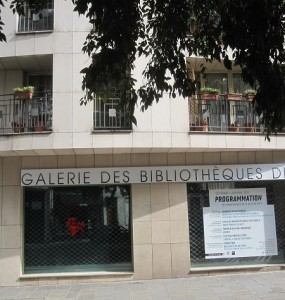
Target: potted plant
{"points": [[249, 94], [232, 96], [201, 125], [249, 127], [24, 92], [234, 127], [208, 93], [40, 123], [18, 126]]}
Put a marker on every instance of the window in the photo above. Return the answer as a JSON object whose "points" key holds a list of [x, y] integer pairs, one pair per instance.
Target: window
{"points": [[40, 21], [239, 85], [73, 229], [198, 198], [109, 115], [218, 81]]}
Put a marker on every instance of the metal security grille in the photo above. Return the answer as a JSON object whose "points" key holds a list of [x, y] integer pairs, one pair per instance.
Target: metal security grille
{"points": [[108, 115], [71, 229], [198, 197]]}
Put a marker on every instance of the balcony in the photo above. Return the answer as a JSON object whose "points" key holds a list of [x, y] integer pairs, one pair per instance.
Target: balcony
{"points": [[223, 115], [19, 116], [108, 115]]}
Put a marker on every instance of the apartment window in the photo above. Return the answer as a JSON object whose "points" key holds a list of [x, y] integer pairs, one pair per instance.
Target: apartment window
{"points": [[41, 107], [218, 81], [74, 229], [109, 115], [239, 86], [32, 21]]}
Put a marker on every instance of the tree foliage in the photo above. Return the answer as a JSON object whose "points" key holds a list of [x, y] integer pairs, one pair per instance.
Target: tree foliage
{"points": [[159, 29], [122, 30]]}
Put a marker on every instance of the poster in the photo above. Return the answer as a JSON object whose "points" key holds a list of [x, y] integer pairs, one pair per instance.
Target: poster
{"points": [[239, 223]]}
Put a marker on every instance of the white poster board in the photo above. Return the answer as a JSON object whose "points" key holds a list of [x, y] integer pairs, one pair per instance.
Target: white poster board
{"points": [[239, 223]]}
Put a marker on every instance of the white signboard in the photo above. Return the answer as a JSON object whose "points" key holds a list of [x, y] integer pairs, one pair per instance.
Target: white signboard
{"points": [[168, 174], [239, 223]]}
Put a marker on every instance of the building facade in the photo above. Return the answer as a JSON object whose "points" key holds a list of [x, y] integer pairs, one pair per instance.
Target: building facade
{"points": [[85, 195]]}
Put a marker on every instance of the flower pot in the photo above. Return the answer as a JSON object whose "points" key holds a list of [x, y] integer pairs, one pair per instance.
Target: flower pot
{"points": [[40, 126], [24, 95], [207, 96], [233, 97], [234, 129], [202, 128], [18, 129], [248, 127], [249, 97]]}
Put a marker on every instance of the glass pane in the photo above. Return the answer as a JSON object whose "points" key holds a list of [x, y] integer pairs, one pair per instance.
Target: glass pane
{"points": [[217, 81], [198, 198], [32, 21], [71, 229], [239, 85]]}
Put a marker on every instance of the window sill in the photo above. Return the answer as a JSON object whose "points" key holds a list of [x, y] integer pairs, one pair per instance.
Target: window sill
{"points": [[34, 31], [78, 274], [96, 131], [236, 268]]}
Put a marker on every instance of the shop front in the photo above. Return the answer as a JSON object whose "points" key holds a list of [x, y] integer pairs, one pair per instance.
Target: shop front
{"points": [[116, 220]]}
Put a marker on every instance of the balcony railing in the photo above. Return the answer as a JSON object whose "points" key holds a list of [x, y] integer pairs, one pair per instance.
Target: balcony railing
{"points": [[223, 115], [108, 115], [41, 21], [25, 115]]}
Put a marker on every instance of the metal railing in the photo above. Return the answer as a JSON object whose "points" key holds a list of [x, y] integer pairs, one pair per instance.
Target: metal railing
{"points": [[41, 21], [20, 115], [108, 115], [223, 115]]}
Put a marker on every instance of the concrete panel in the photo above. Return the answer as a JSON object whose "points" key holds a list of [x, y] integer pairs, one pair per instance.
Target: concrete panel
{"points": [[11, 170], [11, 205], [228, 158], [178, 206], [143, 262], [11, 263], [141, 208], [162, 261], [180, 258], [264, 157], [85, 161], [140, 159], [122, 160], [176, 159], [142, 233], [66, 161], [247, 157], [159, 202], [11, 237], [194, 158], [48, 162]]}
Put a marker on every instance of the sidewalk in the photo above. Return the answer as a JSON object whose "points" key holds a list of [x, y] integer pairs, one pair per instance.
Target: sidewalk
{"points": [[254, 286]]}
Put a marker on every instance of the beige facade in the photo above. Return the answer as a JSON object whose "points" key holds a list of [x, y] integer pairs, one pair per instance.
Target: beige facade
{"points": [[159, 211]]}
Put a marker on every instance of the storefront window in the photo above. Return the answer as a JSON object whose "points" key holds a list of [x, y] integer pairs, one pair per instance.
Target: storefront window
{"points": [[245, 232], [74, 229]]}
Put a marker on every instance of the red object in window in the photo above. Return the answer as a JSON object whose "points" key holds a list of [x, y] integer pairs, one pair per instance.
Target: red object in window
{"points": [[75, 226]]}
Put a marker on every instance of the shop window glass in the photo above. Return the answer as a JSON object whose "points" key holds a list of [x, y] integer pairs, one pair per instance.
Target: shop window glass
{"points": [[74, 229], [198, 198]]}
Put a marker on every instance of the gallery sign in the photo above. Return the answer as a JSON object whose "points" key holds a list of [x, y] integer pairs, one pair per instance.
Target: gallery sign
{"points": [[165, 174]]}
